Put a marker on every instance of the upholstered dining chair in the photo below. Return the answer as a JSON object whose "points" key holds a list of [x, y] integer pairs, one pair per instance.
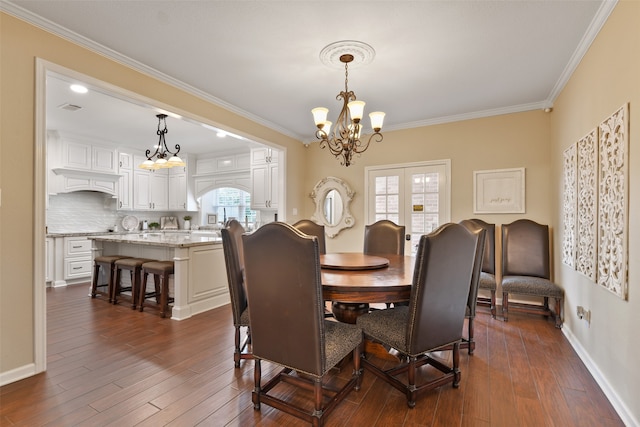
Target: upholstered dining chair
{"points": [[234, 262], [312, 229], [435, 316], [470, 311], [488, 273], [288, 328], [384, 237], [526, 269]]}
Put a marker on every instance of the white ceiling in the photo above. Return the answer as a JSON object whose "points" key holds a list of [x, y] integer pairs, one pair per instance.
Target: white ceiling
{"points": [[436, 61]]}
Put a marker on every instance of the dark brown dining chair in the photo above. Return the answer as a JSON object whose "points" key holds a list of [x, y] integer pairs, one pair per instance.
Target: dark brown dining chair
{"points": [[435, 316], [470, 312], [488, 274], [384, 237], [312, 229], [234, 262], [526, 269], [288, 328]]}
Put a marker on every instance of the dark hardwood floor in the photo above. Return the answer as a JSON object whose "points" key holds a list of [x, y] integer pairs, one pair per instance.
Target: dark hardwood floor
{"points": [[109, 365]]}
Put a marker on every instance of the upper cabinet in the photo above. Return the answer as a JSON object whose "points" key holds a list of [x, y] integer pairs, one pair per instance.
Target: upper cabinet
{"points": [[181, 192], [77, 165], [264, 178], [125, 168], [150, 188]]}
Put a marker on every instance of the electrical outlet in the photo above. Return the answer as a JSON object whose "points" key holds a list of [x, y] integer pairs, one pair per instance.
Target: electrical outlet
{"points": [[583, 314]]}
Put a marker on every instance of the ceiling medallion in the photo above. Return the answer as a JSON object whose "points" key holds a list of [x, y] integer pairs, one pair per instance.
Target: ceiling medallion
{"points": [[362, 54]]}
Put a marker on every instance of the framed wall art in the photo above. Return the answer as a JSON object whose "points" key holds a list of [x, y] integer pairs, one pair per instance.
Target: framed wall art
{"points": [[212, 219], [499, 191]]}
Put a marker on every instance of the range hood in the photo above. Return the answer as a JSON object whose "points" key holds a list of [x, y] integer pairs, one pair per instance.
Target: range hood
{"points": [[69, 180]]}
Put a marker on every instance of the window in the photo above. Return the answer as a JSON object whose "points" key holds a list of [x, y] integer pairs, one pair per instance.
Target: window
{"points": [[227, 203]]}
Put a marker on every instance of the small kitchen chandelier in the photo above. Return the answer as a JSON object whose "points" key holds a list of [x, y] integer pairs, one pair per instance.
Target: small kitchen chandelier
{"points": [[164, 158], [345, 139]]}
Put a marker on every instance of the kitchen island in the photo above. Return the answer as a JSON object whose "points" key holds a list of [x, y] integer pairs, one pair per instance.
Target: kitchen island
{"points": [[200, 280]]}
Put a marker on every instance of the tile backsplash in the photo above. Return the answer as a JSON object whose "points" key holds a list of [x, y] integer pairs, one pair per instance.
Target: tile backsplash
{"points": [[90, 211]]}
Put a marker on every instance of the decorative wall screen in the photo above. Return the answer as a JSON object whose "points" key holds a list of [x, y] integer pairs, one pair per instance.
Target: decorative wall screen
{"points": [[595, 204], [587, 174], [569, 207], [613, 212]]}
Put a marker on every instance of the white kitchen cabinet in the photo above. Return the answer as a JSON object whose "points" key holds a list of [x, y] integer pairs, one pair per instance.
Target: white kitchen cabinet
{"points": [[125, 164], [181, 197], [264, 179], [86, 156], [49, 259], [150, 188], [77, 258]]}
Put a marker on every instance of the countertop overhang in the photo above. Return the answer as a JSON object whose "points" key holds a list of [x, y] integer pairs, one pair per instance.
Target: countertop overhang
{"points": [[173, 240]]}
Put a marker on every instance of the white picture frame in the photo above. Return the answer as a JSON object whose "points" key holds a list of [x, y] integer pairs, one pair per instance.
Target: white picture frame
{"points": [[212, 219], [499, 191]]}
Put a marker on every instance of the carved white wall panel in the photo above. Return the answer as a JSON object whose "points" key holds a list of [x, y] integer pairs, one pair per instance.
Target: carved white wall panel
{"points": [[569, 206], [586, 238], [613, 211]]}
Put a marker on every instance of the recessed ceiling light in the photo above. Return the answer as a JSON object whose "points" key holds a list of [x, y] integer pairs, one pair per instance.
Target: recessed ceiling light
{"points": [[221, 134], [79, 89]]}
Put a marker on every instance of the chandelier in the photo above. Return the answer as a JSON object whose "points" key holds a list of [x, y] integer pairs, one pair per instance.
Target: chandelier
{"points": [[345, 139], [164, 158]]}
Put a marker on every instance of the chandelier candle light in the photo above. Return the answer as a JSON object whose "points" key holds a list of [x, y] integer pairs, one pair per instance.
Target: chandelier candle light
{"points": [[345, 139], [162, 151]]}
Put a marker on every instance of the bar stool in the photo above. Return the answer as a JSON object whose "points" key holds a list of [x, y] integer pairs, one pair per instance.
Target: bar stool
{"points": [[107, 262], [161, 271], [134, 266]]}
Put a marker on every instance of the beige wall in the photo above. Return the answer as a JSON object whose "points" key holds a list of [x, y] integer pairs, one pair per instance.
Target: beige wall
{"points": [[20, 45], [507, 141], [534, 140], [608, 77]]}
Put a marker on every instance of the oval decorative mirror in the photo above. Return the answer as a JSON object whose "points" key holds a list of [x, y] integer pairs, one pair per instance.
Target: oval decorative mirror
{"points": [[332, 197]]}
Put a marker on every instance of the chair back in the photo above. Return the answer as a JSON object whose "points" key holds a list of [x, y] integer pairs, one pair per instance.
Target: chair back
{"points": [[489, 258], [234, 261], [478, 264], [440, 287], [525, 249], [384, 237], [282, 272], [312, 229]]}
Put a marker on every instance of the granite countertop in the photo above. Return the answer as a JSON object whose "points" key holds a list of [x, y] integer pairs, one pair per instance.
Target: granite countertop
{"points": [[119, 233], [174, 240]]}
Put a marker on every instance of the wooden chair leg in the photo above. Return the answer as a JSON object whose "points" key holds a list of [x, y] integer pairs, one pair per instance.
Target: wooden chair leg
{"points": [[94, 282], [493, 304], [558, 312], [164, 295], [143, 292], [505, 306], [114, 289], [472, 343]]}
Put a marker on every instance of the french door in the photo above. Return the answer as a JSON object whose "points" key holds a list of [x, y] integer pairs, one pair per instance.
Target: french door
{"points": [[416, 195]]}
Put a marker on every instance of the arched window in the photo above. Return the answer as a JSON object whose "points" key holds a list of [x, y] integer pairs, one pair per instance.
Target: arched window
{"points": [[226, 203]]}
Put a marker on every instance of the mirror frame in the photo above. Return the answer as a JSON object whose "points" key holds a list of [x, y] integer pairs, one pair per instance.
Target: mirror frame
{"points": [[319, 193]]}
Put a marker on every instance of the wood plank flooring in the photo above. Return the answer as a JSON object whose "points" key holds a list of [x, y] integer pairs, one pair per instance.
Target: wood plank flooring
{"points": [[109, 365]]}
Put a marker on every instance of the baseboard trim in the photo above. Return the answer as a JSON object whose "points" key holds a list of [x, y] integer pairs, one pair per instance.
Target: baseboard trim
{"points": [[619, 406], [17, 374]]}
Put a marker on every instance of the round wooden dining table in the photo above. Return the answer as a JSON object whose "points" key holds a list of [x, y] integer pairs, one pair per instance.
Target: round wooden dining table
{"points": [[351, 285]]}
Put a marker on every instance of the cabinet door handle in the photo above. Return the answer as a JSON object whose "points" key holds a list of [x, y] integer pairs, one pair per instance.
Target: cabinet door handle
{"points": [[77, 268], [77, 247], [120, 203]]}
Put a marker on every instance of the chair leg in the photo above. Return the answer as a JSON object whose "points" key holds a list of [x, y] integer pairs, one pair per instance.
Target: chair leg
{"points": [[317, 397], [164, 295], [493, 304], [456, 365], [236, 353], [505, 306], [558, 312], [472, 343], [411, 380], [143, 291], [257, 374], [94, 283], [114, 289]]}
